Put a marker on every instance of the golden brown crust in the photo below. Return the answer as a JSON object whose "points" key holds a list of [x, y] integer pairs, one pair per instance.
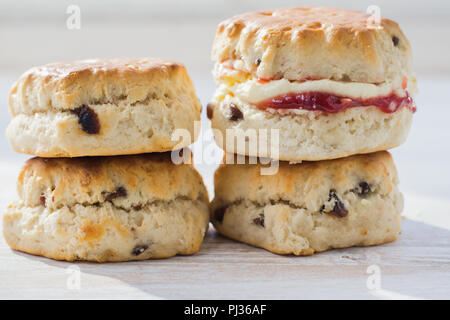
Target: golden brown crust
{"points": [[305, 184], [126, 181], [313, 42], [68, 85]]}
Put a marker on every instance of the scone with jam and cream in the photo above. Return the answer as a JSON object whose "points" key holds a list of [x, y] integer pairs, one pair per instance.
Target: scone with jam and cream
{"points": [[333, 82]]}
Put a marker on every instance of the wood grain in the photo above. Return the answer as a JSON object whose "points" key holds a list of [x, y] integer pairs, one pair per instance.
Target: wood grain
{"points": [[416, 266]]}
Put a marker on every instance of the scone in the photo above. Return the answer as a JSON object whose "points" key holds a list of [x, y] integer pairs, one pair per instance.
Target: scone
{"points": [[310, 207], [332, 82], [102, 107], [107, 208]]}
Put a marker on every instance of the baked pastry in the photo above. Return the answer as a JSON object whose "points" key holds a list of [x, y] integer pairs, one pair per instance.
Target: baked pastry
{"points": [[102, 107], [107, 208], [329, 80], [309, 207]]}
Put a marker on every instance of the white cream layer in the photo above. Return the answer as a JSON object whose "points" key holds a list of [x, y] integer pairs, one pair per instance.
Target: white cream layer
{"points": [[253, 91]]}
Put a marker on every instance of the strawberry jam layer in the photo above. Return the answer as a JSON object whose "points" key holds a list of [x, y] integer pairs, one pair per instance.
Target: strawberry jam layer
{"points": [[326, 102]]}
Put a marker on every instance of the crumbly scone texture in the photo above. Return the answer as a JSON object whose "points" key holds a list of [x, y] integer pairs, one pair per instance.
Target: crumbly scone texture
{"points": [[314, 42], [298, 135], [310, 207], [107, 208], [102, 107]]}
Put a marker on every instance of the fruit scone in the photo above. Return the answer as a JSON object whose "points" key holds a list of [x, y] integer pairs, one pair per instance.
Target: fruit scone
{"points": [[332, 81], [118, 208], [309, 207], [102, 107]]}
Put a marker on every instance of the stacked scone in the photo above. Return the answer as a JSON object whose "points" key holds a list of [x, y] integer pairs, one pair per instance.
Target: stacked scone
{"points": [[332, 84], [96, 196]]}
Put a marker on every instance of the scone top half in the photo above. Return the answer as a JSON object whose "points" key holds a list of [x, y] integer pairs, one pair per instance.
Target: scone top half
{"points": [[311, 59], [102, 107], [128, 182], [306, 43], [307, 185]]}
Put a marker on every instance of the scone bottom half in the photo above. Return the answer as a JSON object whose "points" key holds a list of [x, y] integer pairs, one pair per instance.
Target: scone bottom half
{"points": [[330, 81], [310, 207], [102, 209]]}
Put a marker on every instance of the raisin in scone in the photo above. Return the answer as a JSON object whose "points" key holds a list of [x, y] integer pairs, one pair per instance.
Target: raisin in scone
{"points": [[310, 207], [332, 81], [107, 208], [102, 107]]}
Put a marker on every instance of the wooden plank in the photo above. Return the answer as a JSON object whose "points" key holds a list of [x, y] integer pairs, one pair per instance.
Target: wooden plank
{"points": [[417, 265]]}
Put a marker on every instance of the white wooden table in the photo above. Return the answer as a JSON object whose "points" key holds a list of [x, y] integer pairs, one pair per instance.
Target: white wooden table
{"points": [[416, 266]]}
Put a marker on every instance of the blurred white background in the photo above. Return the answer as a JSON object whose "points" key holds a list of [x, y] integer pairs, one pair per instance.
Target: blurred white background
{"points": [[35, 32]]}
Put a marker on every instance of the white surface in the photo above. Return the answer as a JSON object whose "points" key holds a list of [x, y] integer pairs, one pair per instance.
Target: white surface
{"points": [[416, 266]]}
